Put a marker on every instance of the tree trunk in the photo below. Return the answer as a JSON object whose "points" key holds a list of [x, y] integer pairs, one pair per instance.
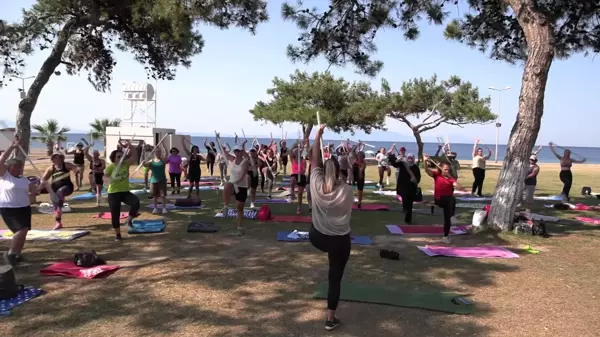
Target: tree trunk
{"points": [[419, 140], [307, 129], [49, 147], [27, 105], [540, 53]]}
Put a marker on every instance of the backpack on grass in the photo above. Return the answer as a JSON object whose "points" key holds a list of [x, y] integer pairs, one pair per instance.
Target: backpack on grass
{"points": [[88, 259]]}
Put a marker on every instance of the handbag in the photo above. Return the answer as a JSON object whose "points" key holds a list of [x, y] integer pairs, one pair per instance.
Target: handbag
{"points": [[88, 259]]}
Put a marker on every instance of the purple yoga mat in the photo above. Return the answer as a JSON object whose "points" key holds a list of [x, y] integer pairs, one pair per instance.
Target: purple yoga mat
{"points": [[171, 206], [470, 252], [272, 201]]}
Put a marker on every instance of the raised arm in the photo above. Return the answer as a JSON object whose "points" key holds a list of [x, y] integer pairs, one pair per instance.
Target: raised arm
{"points": [[489, 155], [131, 159], [315, 156], [391, 149], [475, 147], [426, 166], [538, 150], [554, 151], [437, 153], [6, 154], [583, 160]]}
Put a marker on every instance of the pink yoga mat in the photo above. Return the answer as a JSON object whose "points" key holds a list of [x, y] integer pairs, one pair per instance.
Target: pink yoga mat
{"points": [[106, 215], [291, 218], [371, 207], [470, 252], [69, 269], [593, 221], [425, 230]]}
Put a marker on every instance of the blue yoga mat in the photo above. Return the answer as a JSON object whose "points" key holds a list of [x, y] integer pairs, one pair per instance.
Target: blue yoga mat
{"points": [[366, 187], [146, 226], [86, 196], [356, 239], [136, 181], [25, 295]]}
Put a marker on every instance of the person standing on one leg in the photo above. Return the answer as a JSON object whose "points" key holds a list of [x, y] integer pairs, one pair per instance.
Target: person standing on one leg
{"points": [[298, 177], [79, 161], [409, 177], [443, 193], [238, 184], [211, 156], [253, 174], [119, 190], [175, 161], [158, 180], [97, 166], [479, 161], [566, 176], [15, 208], [283, 152], [358, 171], [59, 177], [330, 232]]}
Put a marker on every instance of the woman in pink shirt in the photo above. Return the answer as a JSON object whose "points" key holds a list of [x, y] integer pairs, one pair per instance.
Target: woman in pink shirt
{"points": [[174, 161]]}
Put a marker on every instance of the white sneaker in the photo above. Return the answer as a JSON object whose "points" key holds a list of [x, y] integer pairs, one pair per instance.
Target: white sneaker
{"points": [[164, 210], [453, 221], [252, 205], [225, 211], [387, 181], [446, 239], [155, 210]]}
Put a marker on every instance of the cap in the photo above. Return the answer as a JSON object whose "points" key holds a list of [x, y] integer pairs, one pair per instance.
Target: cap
{"points": [[533, 157], [79, 144], [56, 154], [238, 148], [410, 155]]}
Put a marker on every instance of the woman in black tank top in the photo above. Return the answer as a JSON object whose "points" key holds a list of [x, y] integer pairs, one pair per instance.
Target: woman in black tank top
{"points": [[283, 154], [211, 156], [193, 169], [79, 161], [59, 177], [96, 178]]}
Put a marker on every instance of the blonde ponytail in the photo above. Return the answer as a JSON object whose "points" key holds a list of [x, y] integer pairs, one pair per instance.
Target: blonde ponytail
{"points": [[331, 176]]}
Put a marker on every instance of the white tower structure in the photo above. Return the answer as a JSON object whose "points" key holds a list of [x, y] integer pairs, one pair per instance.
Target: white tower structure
{"points": [[138, 108]]}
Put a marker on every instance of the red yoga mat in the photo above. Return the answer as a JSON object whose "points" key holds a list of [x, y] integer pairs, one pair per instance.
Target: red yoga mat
{"points": [[593, 221], [371, 207], [291, 218], [69, 269], [106, 215]]}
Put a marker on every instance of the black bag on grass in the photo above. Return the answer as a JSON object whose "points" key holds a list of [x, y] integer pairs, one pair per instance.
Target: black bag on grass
{"points": [[88, 259], [8, 283]]}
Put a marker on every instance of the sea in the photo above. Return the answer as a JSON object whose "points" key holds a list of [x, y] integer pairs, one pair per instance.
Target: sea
{"points": [[463, 151]]}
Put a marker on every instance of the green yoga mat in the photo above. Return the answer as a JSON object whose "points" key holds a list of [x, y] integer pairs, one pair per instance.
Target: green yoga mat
{"points": [[435, 301]]}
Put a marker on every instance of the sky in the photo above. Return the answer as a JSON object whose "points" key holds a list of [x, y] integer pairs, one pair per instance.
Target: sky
{"points": [[236, 68]]}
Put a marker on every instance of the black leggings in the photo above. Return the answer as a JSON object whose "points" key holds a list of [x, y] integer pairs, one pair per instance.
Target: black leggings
{"points": [[262, 180], [382, 171], [566, 176], [175, 178], [408, 198], [448, 204], [479, 175], [210, 165], [338, 251], [114, 203]]}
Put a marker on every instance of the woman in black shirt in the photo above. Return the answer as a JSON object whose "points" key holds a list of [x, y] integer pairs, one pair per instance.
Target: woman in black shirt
{"points": [[409, 177]]}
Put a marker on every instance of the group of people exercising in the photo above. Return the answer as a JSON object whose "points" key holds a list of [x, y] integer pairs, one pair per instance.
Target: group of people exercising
{"points": [[328, 186]]}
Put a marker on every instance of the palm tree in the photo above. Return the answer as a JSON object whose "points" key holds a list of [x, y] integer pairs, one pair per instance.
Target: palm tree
{"points": [[99, 128], [50, 134]]}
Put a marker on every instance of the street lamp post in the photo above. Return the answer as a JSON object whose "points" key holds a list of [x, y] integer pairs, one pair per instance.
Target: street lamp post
{"points": [[22, 89], [498, 124]]}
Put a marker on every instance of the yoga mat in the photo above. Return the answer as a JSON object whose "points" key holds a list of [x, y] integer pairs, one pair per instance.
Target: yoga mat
{"points": [[474, 198], [425, 230], [106, 215], [490, 252], [69, 269], [232, 213], [280, 195], [46, 208], [146, 226], [202, 228], [357, 240], [423, 211], [470, 205], [371, 207], [272, 201], [172, 206], [138, 192], [464, 193], [87, 196], [291, 218], [136, 181], [46, 235], [540, 217], [388, 193], [549, 197], [594, 221], [405, 298], [367, 187], [26, 294]]}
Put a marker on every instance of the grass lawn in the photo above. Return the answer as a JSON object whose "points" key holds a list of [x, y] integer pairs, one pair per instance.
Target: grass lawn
{"points": [[180, 284]]}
